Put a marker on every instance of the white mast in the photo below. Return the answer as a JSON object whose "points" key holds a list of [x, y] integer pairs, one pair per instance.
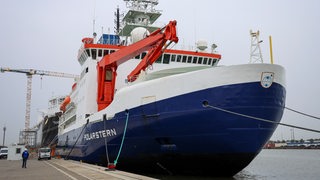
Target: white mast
{"points": [[255, 50]]}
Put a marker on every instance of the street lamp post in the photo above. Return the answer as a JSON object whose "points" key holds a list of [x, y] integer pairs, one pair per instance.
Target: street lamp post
{"points": [[4, 135]]}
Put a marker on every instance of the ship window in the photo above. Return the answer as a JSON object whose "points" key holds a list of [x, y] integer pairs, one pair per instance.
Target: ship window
{"points": [[94, 53], [108, 75], [194, 61], [210, 61], [189, 59], [159, 59], [112, 51], [166, 58], [179, 58], [214, 62], [100, 52], [205, 61], [200, 61], [137, 57], [173, 58], [83, 56], [105, 52], [143, 55], [184, 59], [61, 100], [87, 69], [88, 52]]}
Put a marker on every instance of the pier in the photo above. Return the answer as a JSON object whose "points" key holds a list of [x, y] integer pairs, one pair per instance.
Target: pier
{"points": [[61, 169]]}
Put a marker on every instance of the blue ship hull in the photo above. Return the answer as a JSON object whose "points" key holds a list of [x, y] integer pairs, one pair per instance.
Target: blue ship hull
{"points": [[180, 136]]}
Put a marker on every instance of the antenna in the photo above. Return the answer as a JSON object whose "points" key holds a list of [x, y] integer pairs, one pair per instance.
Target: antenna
{"points": [[94, 17], [117, 21], [195, 25], [255, 50]]}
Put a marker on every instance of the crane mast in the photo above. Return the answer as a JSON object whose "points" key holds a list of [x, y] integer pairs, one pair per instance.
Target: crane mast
{"points": [[28, 102], [30, 73]]}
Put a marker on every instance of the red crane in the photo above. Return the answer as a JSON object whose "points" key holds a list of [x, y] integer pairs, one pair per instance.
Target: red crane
{"points": [[155, 44]]}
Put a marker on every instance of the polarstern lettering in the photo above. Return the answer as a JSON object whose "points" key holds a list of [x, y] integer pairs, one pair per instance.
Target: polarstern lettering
{"points": [[100, 134]]}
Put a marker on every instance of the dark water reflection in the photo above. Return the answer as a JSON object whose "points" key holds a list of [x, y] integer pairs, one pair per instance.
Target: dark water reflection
{"points": [[273, 164]]}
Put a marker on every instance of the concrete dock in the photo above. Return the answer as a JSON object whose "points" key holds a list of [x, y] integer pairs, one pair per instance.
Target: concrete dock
{"points": [[61, 169]]}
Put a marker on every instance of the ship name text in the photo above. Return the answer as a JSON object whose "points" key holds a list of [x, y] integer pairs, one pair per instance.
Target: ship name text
{"points": [[100, 134]]}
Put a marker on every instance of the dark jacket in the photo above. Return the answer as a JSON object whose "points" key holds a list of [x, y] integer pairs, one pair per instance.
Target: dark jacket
{"points": [[25, 154]]}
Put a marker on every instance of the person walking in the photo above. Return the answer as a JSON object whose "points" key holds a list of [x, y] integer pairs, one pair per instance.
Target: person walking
{"points": [[25, 156]]}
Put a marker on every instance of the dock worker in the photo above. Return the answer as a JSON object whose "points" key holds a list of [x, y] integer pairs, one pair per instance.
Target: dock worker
{"points": [[25, 156]]}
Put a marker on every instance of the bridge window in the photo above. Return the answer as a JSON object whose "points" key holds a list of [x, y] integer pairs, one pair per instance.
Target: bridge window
{"points": [[100, 52], [166, 58], [189, 59], [94, 53], [205, 61], [214, 62], [184, 59], [88, 52], [105, 52], [200, 61], [137, 57], [143, 55], [112, 51], [194, 60], [179, 58], [173, 58], [159, 59], [210, 61]]}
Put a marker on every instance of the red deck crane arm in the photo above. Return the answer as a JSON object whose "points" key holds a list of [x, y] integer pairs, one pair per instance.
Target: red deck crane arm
{"points": [[107, 67], [146, 44]]}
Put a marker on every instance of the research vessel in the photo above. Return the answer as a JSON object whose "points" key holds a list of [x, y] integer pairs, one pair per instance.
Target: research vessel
{"points": [[142, 106]]}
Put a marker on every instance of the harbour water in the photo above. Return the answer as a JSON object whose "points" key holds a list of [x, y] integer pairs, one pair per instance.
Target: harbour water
{"points": [[283, 164], [280, 164]]}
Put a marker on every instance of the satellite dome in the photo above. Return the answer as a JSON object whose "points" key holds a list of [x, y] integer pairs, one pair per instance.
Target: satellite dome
{"points": [[139, 33], [202, 45]]}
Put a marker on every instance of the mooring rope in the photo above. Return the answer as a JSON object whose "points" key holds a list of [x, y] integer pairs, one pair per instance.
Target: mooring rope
{"points": [[77, 140], [124, 134], [105, 141], [305, 114], [206, 104]]}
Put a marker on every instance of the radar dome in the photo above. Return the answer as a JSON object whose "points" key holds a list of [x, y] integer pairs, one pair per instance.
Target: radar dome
{"points": [[202, 45], [138, 33]]}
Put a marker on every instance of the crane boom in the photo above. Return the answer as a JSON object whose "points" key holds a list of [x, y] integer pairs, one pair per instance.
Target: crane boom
{"points": [[39, 72], [30, 73], [155, 44]]}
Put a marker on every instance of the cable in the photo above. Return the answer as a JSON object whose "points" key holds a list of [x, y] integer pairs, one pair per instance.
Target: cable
{"points": [[302, 113], [124, 134], [205, 104]]}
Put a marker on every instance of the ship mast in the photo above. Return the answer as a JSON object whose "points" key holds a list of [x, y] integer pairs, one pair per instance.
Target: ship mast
{"points": [[255, 50], [142, 13]]}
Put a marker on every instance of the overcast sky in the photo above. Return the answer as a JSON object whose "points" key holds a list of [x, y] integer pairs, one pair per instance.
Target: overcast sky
{"points": [[46, 35]]}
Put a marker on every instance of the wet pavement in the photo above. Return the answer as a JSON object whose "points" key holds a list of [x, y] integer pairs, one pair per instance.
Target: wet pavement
{"points": [[60, 169]]}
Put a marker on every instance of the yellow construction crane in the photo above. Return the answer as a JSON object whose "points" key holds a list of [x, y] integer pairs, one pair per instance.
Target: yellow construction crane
{"points": [[30, 73]]}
